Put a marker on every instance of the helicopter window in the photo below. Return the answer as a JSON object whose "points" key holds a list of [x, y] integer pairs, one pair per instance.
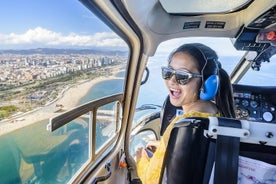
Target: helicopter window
{"points": [[50, 66], [141, 139], [202, 6], [107, 126], [228, 56], [150, 100], [264, 77]]}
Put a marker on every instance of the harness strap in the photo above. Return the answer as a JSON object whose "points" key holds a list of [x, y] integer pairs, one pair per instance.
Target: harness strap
{"points": [[227, 155]]}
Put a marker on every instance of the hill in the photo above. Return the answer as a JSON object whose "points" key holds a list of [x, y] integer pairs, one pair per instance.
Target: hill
{"points": [[63, 51]]}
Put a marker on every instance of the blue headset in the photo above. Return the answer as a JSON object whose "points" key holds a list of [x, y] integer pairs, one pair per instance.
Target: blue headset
{"points": [[210, 85]]}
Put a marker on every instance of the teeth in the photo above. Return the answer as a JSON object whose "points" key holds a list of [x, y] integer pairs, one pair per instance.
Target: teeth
{"points": [[175, 90]]}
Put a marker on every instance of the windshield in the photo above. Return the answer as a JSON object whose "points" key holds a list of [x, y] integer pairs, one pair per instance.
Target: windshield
{"points": [[264, 77], [154, 99], [228, 56]]}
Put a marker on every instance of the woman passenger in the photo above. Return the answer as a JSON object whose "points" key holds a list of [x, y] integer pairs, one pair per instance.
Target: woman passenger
{"points": [[195, 81]]}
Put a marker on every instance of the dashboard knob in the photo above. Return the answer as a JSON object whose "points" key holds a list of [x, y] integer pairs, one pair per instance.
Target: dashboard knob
{"points": [[268, 116], [254, 104], [245, 103], [245, 113]]}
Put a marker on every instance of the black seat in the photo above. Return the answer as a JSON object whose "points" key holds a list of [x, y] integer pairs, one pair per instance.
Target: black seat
{"points": [[196, 144], [168, 113]]}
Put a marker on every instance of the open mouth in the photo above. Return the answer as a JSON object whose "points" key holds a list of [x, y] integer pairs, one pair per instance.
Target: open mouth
{"points": [[175, 93]]}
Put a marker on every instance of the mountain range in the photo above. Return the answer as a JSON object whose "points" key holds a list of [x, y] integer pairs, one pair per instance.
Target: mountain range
{"points": [[63, 51]]}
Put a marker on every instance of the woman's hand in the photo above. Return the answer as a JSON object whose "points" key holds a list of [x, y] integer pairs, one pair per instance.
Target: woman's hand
{"points": [[139, 153], [152, 145], [148, 151]]}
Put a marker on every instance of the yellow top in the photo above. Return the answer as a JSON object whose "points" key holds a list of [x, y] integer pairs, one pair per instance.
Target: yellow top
{"points": [[149, 170]]}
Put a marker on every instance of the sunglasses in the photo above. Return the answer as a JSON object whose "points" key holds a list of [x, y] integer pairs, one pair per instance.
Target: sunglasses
{"points": [[181, 77]]}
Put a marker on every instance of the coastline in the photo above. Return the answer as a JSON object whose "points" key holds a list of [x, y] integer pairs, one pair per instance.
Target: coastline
{"points": [[67, 99]]}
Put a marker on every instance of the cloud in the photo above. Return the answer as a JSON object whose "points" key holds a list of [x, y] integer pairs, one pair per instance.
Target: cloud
{"points": [[46, 38], [41, 37]]}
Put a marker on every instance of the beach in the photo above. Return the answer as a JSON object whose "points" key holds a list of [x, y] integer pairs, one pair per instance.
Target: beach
{"points": [[66, 100]]}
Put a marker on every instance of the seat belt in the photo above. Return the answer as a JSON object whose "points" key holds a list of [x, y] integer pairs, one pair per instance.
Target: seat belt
{"points": [[227, 155]]}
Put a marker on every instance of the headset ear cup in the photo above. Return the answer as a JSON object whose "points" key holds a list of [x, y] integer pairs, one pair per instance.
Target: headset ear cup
{"points": [[211, 85]]}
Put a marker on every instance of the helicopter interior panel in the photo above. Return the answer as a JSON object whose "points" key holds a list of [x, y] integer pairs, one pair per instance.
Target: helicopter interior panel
{"points": [[255, 103]]}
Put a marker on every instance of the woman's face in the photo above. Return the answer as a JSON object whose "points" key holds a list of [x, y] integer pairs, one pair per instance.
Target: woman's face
{"points": [[188, 93]]}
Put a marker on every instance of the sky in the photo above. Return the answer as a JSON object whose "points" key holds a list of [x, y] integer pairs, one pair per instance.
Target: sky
{"points": [[27, 24], [52, 23], [64, 24]]}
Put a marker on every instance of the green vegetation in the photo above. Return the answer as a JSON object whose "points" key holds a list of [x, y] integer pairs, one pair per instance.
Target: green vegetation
{"points": [[6, 111], [52, 85], [72, 77]]}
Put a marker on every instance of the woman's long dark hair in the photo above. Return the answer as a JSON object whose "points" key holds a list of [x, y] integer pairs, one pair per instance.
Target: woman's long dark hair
{"points": [[224, 98], [208, 64]]}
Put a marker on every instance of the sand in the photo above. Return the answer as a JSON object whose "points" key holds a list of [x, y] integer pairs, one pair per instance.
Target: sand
{"points": [[68, 98]]}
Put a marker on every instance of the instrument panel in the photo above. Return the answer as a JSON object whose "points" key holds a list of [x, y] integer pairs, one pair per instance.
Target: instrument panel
{"points": [[255, 103]]}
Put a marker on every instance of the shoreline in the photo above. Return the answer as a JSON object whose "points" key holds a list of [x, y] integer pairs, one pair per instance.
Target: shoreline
{"points": [[67, 99]]}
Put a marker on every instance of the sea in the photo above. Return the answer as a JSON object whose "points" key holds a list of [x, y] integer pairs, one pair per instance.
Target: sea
{"points": [[23, 158], [36, 164]]}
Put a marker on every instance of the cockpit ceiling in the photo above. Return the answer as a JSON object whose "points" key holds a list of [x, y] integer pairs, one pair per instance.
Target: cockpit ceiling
{"points": [[185, 7], [157, 25]]}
